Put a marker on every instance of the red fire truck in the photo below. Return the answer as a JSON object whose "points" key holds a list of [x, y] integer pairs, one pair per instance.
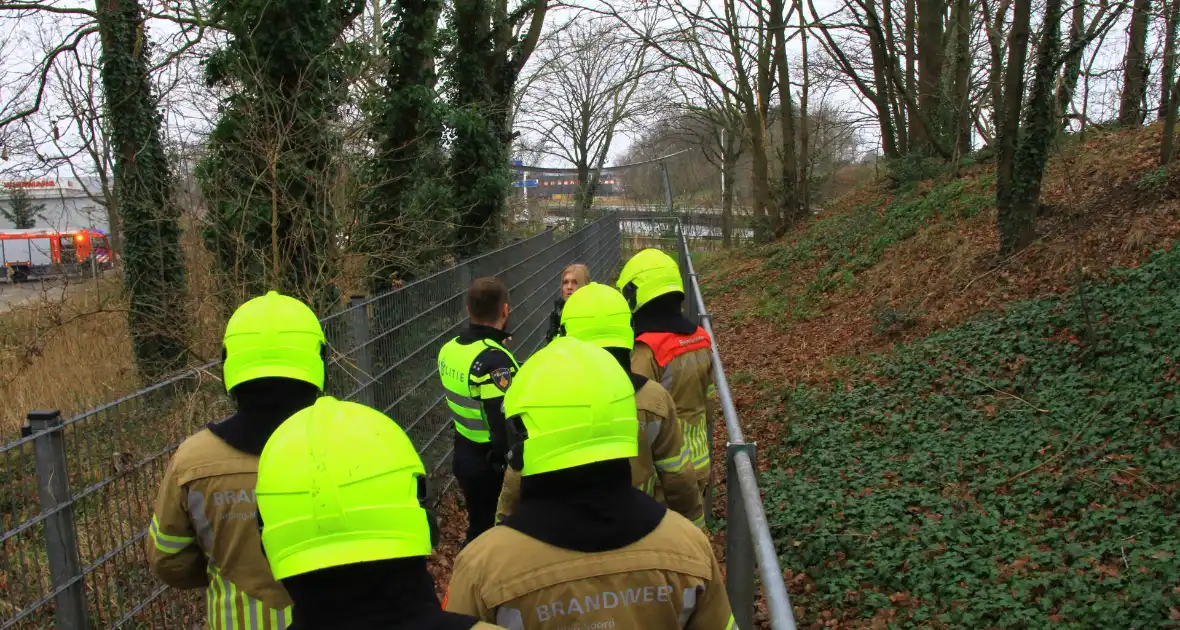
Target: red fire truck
{"points": [[41, 252]]}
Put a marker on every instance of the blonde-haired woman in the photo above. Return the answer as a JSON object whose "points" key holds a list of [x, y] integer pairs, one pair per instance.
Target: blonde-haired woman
{"points": [[573, 277]]}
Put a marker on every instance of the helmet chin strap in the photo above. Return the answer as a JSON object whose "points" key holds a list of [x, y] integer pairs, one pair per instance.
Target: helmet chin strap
{"points": [[431, 517], [631, 292], [517, 434]]}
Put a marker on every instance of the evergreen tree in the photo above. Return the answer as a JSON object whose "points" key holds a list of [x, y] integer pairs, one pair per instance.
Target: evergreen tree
{"points": [[273, 155], [21, 211], [489, 48], [407, 198]]}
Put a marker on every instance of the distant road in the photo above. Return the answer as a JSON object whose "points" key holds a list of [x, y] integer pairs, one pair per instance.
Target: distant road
{"points": [[12, 295]]}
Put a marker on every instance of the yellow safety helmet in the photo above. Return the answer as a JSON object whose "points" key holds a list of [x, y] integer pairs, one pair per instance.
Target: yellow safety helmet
{"points": [[273, 335], [648, 275], [570, 405], [598, 314], [340, 483]]}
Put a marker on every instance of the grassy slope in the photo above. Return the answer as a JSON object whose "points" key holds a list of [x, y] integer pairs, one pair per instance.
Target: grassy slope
{"points": [[939, 448]]}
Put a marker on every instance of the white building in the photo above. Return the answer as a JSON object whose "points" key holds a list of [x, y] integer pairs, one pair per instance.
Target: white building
{"points": [[68, 203]]}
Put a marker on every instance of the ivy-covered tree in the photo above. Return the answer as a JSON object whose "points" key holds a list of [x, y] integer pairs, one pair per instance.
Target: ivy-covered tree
{"points": [[273, 155], [153, 263], [1024, 139], [490, 46], [407, 197], [21, 212]]}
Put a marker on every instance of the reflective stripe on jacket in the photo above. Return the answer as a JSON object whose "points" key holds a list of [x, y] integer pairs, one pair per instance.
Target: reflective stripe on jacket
{"points": [[683, 365], [663, 459], [204, 534], [668, 579]]}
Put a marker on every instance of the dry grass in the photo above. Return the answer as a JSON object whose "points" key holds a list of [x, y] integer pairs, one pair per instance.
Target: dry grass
{"points": [[69, 348]]}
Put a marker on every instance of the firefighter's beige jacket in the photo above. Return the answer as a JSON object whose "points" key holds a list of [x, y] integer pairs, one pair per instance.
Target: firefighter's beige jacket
{"points": [[689, 378], [204, 534], [664, 458], [667, 579]]}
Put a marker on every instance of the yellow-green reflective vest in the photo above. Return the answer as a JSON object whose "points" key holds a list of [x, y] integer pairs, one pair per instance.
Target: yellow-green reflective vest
{"points": [[465, 393]]}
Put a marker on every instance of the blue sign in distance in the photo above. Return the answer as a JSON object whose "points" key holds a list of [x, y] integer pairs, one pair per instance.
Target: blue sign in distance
{"points": [[516, 163], [524, 183]]}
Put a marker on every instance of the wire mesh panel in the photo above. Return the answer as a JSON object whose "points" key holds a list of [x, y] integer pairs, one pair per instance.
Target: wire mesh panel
{"points": [[92, 519], [76, 495]]}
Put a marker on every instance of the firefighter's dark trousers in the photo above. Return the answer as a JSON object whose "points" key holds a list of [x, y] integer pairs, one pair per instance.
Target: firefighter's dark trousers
{"points": [[480, 483]]}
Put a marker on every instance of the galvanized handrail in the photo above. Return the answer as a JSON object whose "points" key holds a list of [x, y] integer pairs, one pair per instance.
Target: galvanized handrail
{"points": [[748, 537]]}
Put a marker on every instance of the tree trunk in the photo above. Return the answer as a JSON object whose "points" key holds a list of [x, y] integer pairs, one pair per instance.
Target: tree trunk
{"points": [[1072, 70], [1018, 226], [1168, 87], [911, 85], [804, 127], [759, 177], [114, 226], [407, 188], [583, 195], [930, 62], [962, 91], [478, 180], [996, 69], [882, 67], [1131, 112], [490, 48], [897, 105], [1011, 225], [153, 262], [789, 206]]}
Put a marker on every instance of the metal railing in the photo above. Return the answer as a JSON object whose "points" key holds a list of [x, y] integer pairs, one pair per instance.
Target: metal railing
{"points": [[76, 494], [748, 541]]}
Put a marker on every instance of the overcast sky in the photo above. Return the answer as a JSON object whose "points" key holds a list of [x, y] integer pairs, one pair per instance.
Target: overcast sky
{"points": [[190, 109]]}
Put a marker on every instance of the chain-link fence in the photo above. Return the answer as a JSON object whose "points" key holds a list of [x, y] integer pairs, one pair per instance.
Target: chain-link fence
{"points": [[76, 494]]}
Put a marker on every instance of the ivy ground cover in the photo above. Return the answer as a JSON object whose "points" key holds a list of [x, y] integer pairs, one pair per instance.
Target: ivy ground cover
{"points": [[1019, 471]]}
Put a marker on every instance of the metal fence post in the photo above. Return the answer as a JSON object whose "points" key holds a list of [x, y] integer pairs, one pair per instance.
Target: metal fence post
{"points": [[739, 544], [358, 322], [61, 535], [667, 186]]}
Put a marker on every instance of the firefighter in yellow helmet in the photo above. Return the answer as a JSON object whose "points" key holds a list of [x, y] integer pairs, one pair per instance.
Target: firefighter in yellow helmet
{"points": [[669, 349], [584, 549], [600, 315], [203, 532], [342, 508]]}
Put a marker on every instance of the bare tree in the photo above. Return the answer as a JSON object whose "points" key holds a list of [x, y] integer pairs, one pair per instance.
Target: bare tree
{"points": [[789, 201], [594, 81], [731, 45], [1169, 87], [1081, 34], [715, 123]]}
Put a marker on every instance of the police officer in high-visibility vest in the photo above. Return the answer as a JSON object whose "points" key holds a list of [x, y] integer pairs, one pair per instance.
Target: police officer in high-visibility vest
{"points": [[342, 509], [669, 349], [585, 549], [600, 315], [203, 532], [476, 369]]}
